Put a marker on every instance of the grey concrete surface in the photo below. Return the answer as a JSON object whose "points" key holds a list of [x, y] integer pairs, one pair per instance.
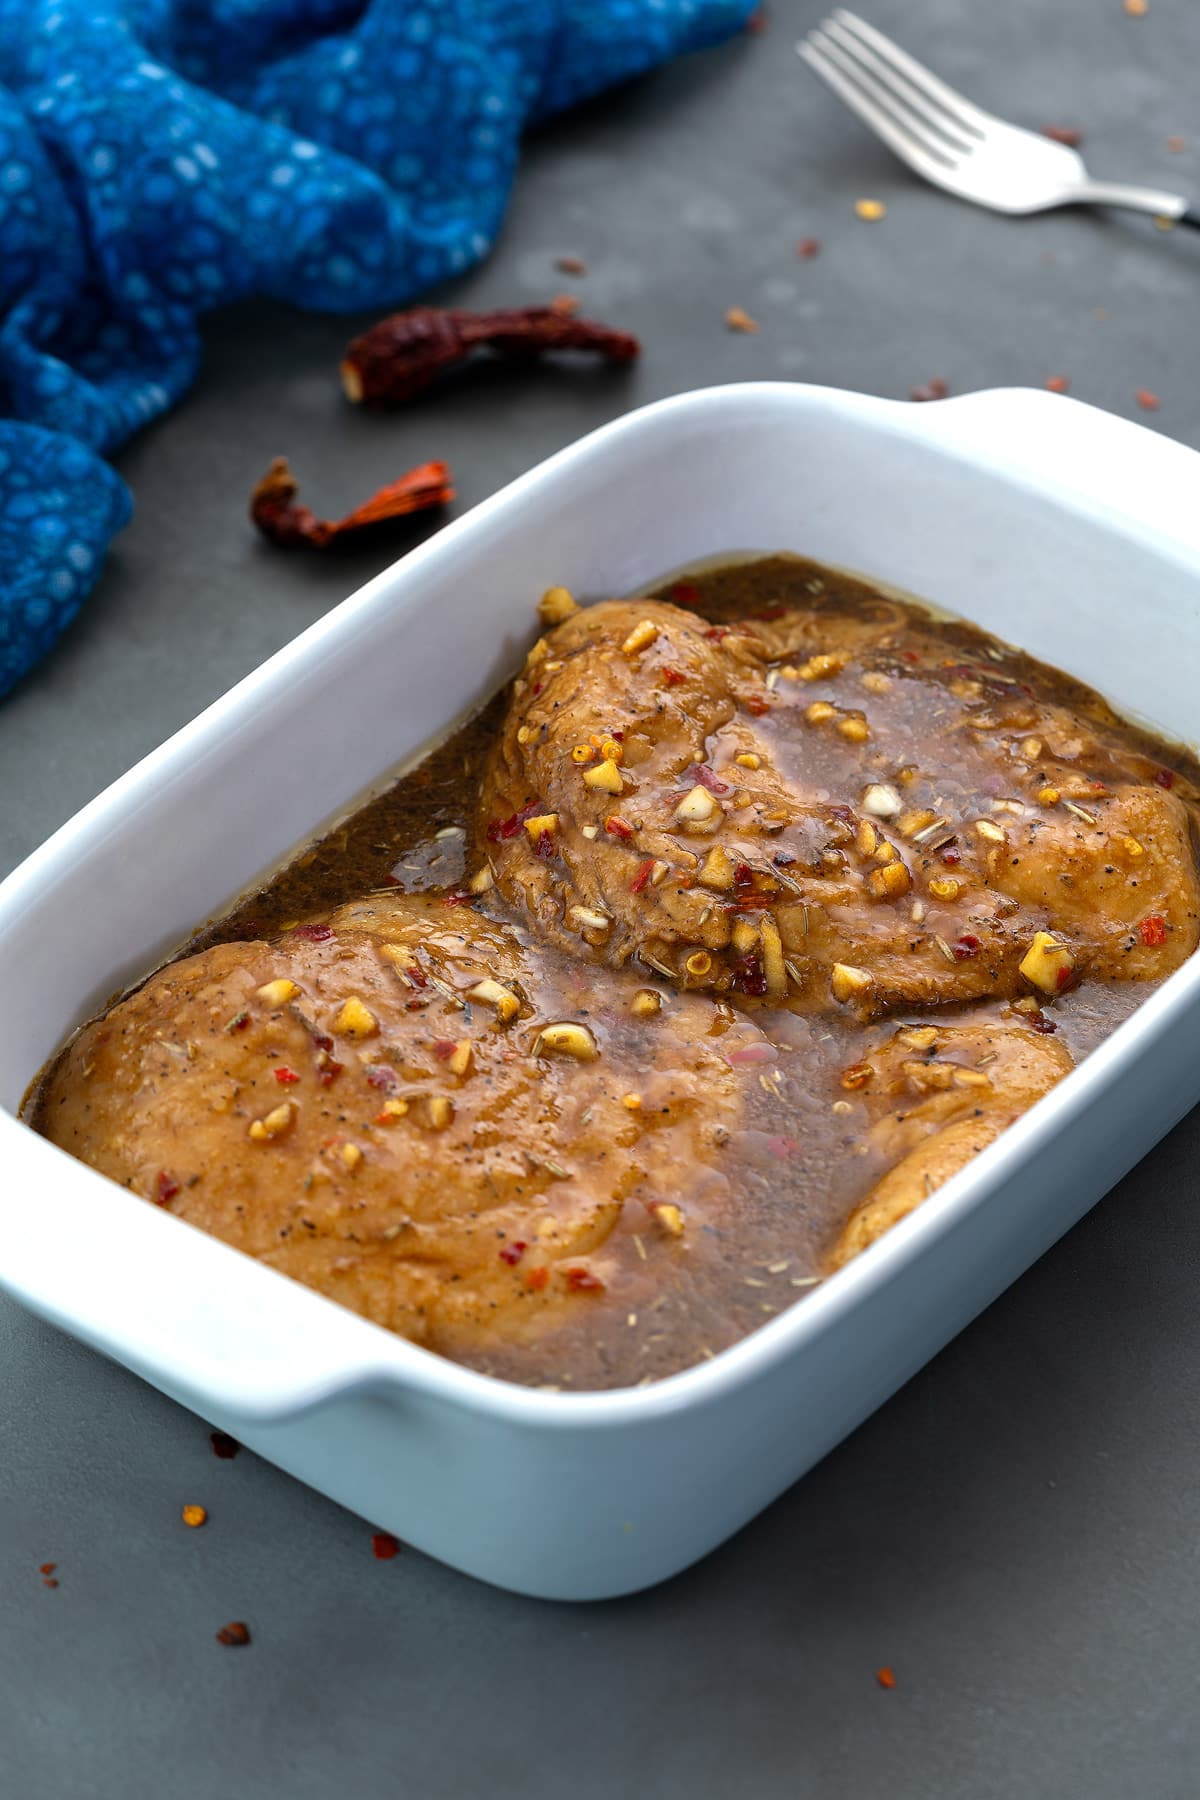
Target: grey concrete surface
{"points": [[1016, 1533]]}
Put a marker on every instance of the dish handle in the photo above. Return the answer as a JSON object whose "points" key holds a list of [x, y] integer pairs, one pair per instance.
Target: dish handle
{"points": [[1110, 465], [227, 1336]]}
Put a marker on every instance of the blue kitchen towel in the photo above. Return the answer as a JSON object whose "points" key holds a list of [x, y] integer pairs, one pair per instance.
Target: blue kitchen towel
{"points": [[158, 157]]}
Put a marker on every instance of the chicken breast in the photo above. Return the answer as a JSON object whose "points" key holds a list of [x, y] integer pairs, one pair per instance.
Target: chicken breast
{"points": [[935, 1097], [827, 810], [400, 1107]]}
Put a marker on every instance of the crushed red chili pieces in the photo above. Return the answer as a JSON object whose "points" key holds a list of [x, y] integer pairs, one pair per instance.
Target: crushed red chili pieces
{"points": [[571, 265], [274, 510], [384, 1546], [315, 934], [886, 1677], [618, 827], [686, 593], [398, 358], [645, 870], [537, 1278], [1153, 929], [673, 678], [223, 1445], [966, 947], [165, 1188], [236, 1633], [1147, 401], [738, 319], [1058, 384], [807, 248], [512, 1253], [194, 1516], [1070, 135], [582, 1281], [1165, 777], [47, 1568], [701, 775], [936, 389], [286, 1075]]}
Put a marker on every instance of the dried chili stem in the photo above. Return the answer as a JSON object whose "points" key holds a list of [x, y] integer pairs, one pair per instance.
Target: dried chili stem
{"points": [[274, 510]]}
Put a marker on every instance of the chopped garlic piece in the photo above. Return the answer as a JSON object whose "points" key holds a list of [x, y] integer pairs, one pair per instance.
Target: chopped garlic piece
{"points": [[439, 1112], [640, 638], [605, 776], [566, 1040], [889, 882], [481, 881], [351, 1156], [355, 1020], [491, 993], [819, 712], [854, 727], [645, 1003], [1047, 963], [669, 1217], [882, 801], [278, 992], [993, 833], [748, 760], [557, 604], [541, 822], [274, 1124], [717, 869], [589, 918], [849, 983], [697, 807], [590, 832], [744, 936], [772, 952]]}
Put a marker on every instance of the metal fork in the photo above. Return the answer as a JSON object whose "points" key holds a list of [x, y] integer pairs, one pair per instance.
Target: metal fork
{"points": [[954, 143]]}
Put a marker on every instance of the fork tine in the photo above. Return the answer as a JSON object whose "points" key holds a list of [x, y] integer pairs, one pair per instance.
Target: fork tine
{"points": [[872, 116], [912, 124], [956, 135], [968, 116]]}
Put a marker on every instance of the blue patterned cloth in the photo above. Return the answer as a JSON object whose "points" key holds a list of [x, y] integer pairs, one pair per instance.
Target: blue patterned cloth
{"points": [[158, 157]]}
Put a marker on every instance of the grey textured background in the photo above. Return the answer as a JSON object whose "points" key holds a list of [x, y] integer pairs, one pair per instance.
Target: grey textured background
{"points": [[1016, 1533]]}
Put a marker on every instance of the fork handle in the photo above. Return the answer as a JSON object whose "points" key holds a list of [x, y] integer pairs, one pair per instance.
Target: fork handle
{"points": [[1140, 199]]}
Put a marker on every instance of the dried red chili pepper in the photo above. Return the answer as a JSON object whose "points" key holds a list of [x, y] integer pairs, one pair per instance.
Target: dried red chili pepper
{"points": [[236, 1632], [1153, 929], [165, 1188], [273, 505], [1039, 1022], [385, 1546], [618, 827], [223, 1445], [396, 359], [645, 870], [285, 1075], [748, 975]]}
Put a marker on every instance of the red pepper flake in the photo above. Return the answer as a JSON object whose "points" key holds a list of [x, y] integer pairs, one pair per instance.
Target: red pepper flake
{"points": [[950, 856], [686, 593], [1165, 777], [510, 828], [700, 774], [273, 505], [645, 870], [1062, 979], [757, 706], [315, 934], [1058, 384], [50, 1581], [398, 358], [571, 265], [382, 1075], [717, 633], [582, 1281], [1176, 145], [458, 897], [327, 1069], [618, 827], [673, 678], [910, 656], [1147, 401], [235, 1633], [512, 1253], [239, 1021], [444, 1049], [223, 1445], [384, 1546], [738, 319], [1070, 135], [886, 1677], [47, 1568], [966, 947], [165, 1188], [566, 305], [544, 846], [1153, 929], [784, 1146], [748, 976], [537, 688], [807, 248], [936, 389], [1039, 1022], [537, 1278], [285, 1075]]}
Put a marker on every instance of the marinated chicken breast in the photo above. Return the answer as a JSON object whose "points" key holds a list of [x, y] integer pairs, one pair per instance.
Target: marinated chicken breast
{"points": [[935, 1097], [827, 809], [403, 1108]]}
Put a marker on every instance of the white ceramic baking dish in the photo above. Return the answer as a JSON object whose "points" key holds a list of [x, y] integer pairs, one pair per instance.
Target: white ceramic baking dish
{"points": [[1056, 526]]}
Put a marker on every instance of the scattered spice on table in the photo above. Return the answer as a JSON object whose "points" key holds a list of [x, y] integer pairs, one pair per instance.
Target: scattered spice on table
{"points": [[50, 1581], [1176, 145], [1137, 9], [1147, 401], [566, 305], [738, 319], [223, 1445], [936, 389], [237, 1632], [47, 1568], [398, 358], [1058, 384], [385, 1546], [571, 265], [870, 210], [1063, 134], [886, 1677], [194, 1515], [274, 510], [807, 248]]}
